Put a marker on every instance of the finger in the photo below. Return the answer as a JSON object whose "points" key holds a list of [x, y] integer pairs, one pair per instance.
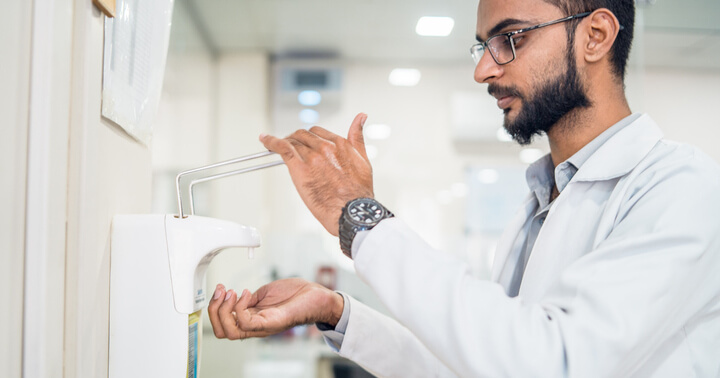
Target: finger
{"points": [[247, 335], [301, 149], [310, 139], [283, 147], [227, 318], [355, 134], [245, 320], [215, 302], [325, 134]]}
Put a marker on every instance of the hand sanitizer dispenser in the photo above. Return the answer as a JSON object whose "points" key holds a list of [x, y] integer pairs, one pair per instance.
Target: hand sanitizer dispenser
{"points": [[157, 290], [157, 287]]}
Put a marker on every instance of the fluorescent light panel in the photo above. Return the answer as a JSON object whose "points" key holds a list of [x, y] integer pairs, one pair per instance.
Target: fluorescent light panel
{"points": [[377, 131], [309, 98], [309, 116], [405, 77], [435, 26]]}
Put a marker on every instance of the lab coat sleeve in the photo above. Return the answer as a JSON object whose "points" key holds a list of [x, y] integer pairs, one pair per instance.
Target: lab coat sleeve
{"points": [[385, 348], [609, 310]]}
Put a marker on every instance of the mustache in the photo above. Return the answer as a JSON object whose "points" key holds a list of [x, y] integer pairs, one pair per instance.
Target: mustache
{"points": [[499, 91]]}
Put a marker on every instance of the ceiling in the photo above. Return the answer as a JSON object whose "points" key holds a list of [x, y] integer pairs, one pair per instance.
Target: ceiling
{"points": [[675, 33]]}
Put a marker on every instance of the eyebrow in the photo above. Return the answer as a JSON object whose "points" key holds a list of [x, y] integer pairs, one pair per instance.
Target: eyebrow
{"points": [[502, 25]]}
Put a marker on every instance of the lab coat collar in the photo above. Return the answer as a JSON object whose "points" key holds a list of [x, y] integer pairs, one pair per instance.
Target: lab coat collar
{"points": [[634, 141]]}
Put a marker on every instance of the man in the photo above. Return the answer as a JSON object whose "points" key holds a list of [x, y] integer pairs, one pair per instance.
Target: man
{"points": [[610, 268]]}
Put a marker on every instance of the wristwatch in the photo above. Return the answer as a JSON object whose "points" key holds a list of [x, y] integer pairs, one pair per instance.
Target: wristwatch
{"points": [[360, 214]]}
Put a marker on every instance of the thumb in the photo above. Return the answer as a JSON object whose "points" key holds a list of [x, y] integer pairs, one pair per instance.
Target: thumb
{"points": [[355, 135]]}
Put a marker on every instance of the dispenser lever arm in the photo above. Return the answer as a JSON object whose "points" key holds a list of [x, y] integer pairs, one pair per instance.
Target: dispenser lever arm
{"points": [[219, 176]]}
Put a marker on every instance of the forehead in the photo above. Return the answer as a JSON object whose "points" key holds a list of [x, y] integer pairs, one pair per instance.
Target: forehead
{"points": [[519, 13]]}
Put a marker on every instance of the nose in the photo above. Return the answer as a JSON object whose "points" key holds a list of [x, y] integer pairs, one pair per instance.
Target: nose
{"points": [[487, 69]]}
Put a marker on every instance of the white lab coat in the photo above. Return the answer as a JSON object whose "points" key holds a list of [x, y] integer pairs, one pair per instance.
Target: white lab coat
{"points": [[623, 280]]}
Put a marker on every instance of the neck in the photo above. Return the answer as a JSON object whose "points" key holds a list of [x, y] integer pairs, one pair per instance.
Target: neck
{"points": [[581, 126]]}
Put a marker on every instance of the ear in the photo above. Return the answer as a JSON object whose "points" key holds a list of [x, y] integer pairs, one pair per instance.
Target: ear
{"points": [[600, 32]]}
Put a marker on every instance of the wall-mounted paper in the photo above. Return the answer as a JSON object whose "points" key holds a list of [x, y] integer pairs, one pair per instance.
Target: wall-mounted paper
{"points": [[136, 44]]}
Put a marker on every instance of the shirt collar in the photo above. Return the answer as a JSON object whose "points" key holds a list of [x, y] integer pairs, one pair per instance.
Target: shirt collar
{"points": [[541, 175], [540, 180], [622, 152]]}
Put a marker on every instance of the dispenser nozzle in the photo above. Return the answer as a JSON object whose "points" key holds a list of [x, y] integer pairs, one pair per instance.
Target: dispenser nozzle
{"points": [[192, 243]]}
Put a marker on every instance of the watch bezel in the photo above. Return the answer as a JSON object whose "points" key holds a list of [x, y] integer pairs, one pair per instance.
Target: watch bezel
{"points": [[364, 225]]}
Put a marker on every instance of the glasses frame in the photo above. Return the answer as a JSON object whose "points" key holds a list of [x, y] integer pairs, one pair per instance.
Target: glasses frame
{"points": [[510, 35]]}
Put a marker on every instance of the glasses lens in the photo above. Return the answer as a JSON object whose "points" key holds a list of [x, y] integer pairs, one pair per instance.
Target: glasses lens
{"points": [[477, 51], [501, 48]]}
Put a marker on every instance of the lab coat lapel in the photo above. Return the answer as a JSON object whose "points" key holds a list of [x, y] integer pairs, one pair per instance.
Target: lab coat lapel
{"points": [[503, 256], [565, 236]]}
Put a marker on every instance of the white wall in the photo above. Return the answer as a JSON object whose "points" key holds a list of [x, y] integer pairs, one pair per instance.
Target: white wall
{"points": [[684, 103], [66, 172], [15, 34], [109, 173], [49, 124]]}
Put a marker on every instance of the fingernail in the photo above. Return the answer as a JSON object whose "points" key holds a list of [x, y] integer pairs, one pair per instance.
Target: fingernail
{"points": [[362, 123], [262, 136], [229, 293], [218, 292]]}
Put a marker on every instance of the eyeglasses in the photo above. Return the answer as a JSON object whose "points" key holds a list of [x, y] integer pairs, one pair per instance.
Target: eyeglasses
{"points": [[502, 46]]}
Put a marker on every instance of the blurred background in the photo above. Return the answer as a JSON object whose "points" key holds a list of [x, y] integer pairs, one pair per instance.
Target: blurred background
{"points": [[238, 68]]}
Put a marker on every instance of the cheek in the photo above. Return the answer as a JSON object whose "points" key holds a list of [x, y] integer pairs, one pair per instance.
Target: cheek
{"points": [[544, 68], [541, 61]]}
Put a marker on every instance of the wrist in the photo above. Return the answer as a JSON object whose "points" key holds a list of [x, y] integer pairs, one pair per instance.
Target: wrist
{"points": [[336, 305]]}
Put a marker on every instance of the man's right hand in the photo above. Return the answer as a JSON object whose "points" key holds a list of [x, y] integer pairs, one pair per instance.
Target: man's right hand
{"points": [[273, 308]]}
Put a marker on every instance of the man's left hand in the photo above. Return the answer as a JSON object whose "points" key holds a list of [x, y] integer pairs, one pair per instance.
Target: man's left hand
{"points": [[327, 170]]}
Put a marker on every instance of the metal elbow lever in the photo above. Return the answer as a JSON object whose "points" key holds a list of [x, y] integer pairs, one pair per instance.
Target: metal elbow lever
{"points": [[219, 176]]}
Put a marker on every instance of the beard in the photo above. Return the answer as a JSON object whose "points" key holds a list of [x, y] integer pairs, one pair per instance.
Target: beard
{"points": [[547, 106]]}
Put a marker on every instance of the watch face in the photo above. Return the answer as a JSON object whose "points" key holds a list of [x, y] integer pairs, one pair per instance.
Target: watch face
{"points": [[365, 212]]}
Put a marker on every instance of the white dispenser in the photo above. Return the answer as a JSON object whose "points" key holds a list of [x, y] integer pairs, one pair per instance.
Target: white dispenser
{"points": [[157, 285]]}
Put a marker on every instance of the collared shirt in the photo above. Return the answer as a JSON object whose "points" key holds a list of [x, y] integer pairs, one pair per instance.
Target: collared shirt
{"points": [[540, 177]]}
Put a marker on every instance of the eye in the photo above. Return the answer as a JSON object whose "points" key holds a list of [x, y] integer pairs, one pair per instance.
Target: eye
{"points": [[517, 40]]}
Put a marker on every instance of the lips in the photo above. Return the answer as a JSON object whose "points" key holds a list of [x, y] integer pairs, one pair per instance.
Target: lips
{"points": [[505, 95], [505, 101]]}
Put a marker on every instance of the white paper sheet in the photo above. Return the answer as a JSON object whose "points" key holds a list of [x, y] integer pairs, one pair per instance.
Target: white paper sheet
{"points": [[136, 44]]}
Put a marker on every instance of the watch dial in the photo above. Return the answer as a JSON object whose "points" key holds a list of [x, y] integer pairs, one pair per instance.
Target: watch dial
{"points": [[365, 212]]}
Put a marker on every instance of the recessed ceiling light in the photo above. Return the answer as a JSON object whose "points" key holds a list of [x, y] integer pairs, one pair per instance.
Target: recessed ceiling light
{"points": [[377, 131], [435, 26], [309, 116], [405, 77], [309, 98]]}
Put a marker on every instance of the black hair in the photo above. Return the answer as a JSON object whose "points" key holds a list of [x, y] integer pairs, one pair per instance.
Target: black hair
{"points": [[624, 10]]}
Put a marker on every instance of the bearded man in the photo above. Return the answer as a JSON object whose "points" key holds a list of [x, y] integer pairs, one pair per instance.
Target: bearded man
{"points": [[610, 269]]}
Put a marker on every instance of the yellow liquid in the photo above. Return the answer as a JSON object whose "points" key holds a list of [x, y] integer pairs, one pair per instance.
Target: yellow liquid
{"points": [[194, 338]]}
